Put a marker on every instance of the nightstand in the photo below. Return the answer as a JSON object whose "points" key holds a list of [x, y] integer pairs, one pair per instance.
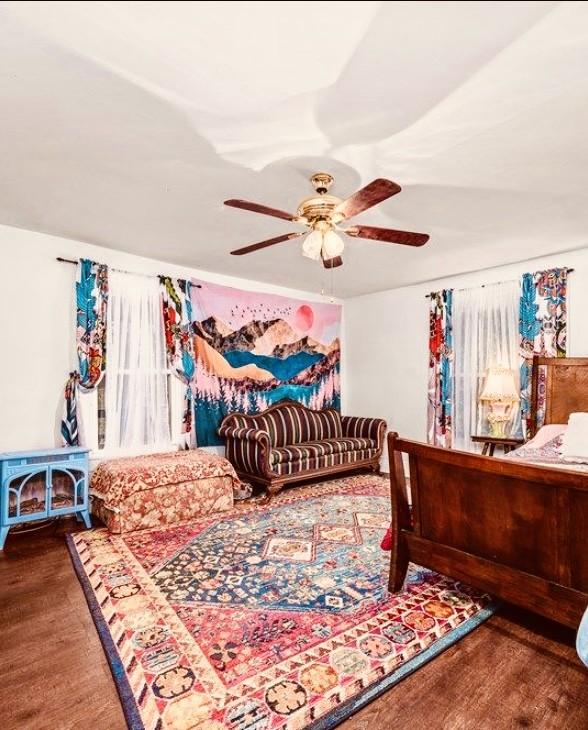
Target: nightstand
{"points": [[491, 442], [35, 485]]}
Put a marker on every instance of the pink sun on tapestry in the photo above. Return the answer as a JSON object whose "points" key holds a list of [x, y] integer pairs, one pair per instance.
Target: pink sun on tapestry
{"points": [[304, 317]]}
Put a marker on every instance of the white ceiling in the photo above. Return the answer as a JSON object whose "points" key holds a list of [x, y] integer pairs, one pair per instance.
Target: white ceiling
{"points": [[127, 124]]}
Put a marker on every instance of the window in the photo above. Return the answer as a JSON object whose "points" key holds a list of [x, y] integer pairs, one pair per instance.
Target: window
{"points": [[139, 400], [485, 333]]}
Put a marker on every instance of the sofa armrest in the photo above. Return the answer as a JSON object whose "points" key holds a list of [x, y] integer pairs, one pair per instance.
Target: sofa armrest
{"points": [[248, 449], [249, 434], [365, 428]]}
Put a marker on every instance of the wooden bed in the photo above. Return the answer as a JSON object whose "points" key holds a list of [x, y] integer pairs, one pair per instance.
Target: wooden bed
{"points": [[515, 530]]}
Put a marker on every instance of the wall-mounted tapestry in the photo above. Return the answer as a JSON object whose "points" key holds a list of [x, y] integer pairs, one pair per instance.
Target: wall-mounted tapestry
{"points": [[253, 349]]}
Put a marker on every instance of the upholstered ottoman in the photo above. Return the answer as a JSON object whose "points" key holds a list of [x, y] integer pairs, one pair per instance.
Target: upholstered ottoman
{"points": [[157, 490]]}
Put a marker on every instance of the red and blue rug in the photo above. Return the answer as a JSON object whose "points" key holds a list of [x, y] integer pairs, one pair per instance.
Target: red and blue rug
{"points": [[268, 616]]}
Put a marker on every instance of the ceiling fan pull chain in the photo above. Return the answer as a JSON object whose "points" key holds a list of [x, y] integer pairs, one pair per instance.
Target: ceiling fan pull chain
{"points": [[332, 285]]}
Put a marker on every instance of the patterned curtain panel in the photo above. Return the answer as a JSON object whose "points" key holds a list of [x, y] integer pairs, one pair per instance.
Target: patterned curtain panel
{"points": [[543, 329], [70, 433], [91, 315], [176, 303], [439, 417]]}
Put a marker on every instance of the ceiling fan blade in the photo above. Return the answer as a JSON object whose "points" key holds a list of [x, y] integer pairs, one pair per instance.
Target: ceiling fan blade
{"points": [[387, 235], [367, 197], [333, 263], [264, 244], [257, 208]]}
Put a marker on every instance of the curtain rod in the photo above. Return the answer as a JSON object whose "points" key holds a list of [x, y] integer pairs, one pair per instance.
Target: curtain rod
{"points": [[122, 271], [464, 288]]}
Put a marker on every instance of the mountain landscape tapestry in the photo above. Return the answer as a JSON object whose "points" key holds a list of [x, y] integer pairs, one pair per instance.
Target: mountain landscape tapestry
{"points": [[253, 349]]}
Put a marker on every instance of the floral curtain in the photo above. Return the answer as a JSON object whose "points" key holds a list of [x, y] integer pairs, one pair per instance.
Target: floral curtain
{"points": [[176, 300], [70, 435], [440, 391], [91, 316], [542, 329]]}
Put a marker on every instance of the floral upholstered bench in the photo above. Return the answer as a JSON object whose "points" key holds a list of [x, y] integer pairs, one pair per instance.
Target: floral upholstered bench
{"points": [[157, 490]]}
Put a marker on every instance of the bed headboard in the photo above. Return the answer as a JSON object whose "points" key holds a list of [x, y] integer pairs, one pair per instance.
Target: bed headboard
{"points": [[565, 380]]}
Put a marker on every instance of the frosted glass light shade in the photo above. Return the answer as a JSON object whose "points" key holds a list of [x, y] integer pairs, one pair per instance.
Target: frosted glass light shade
{"points": [[500, 385], [313, 243], [332, 245]]}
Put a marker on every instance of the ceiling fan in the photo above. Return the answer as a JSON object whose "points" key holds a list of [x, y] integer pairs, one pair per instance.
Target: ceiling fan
{"points": [[323, 213]]}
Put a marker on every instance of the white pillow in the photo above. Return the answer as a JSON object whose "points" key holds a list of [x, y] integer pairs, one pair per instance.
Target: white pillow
{"points": [[575, 440], [546, 434]]}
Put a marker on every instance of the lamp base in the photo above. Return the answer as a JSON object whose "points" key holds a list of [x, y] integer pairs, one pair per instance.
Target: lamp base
{"points": [[498, 417], [498, 429]]}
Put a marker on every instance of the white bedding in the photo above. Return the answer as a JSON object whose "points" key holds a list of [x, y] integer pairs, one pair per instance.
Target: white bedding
{"points": [[545, 450], [575, 440], [546, 434]]}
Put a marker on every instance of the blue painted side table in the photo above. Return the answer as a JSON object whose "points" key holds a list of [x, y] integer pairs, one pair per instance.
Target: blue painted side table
{"points": [[39, 484]]}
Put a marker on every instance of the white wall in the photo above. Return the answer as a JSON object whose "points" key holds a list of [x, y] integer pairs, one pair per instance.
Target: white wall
{"points": [[37, 335], [386, 335]]}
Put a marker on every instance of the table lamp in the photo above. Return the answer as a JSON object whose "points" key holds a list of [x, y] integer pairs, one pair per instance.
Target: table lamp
{"points": [[501, 392]]}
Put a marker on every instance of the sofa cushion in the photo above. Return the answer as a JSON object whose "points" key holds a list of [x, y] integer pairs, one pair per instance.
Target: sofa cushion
{"points": [[316, 449], [323, 425], [290, 424], [321, 462]]}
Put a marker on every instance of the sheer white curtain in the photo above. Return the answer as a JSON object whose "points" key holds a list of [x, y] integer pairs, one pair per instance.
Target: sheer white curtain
{"points": [[136, 399], [485, 333]]}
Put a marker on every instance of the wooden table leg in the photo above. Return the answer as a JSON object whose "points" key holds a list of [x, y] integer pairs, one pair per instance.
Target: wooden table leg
{"points": [[492, 447], [485, 448]]}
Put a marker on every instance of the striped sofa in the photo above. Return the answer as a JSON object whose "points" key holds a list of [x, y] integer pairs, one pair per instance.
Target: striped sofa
{"points": [[289, 442]]}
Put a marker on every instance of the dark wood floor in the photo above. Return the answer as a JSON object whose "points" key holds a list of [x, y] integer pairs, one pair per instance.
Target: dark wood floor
{"points": [[515, 671]]}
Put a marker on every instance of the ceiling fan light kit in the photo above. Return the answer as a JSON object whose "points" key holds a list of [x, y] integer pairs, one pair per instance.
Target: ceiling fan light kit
{"points": [[332, 245], [312, 246], [322, 213]]}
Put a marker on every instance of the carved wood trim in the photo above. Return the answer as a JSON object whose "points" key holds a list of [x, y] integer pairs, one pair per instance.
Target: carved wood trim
{"points": [[277, 406], [283, 479], [566, 388]]}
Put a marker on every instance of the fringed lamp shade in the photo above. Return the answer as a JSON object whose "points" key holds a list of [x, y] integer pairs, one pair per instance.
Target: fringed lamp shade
{"points": [[500, 386]]}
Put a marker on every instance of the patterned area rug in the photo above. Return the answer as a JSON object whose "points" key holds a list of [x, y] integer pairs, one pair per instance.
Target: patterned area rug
{"points": [[268, 616]]}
